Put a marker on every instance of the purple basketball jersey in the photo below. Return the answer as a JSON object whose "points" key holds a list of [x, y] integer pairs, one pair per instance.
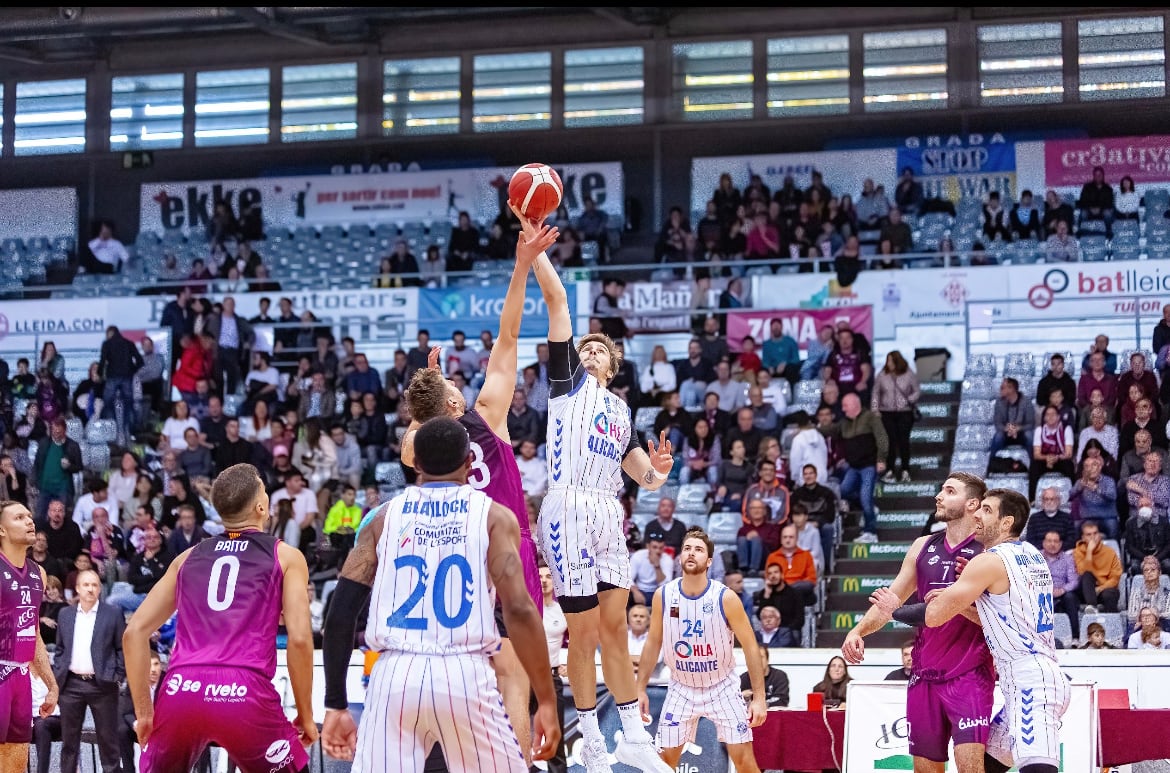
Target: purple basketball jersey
{"points": [[20, 602], [229, 599], [494, 472], [957, 646]]}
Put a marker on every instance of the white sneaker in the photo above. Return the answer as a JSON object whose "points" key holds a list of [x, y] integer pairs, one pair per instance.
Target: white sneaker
{"points": [[596, 758], [642, 756], [867, 536]]}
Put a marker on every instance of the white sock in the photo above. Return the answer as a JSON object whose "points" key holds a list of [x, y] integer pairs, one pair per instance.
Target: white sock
{"points": [[587, 721], [632, 727]]}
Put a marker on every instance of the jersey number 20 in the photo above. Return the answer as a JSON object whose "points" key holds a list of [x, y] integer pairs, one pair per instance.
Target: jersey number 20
{"points": [[400, 617]]}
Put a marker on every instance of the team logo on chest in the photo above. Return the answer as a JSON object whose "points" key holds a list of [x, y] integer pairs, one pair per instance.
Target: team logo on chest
{"points": [[608, 432]]}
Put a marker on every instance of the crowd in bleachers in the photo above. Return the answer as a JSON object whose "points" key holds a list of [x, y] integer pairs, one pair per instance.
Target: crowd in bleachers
{"points": [[1085, 437]]}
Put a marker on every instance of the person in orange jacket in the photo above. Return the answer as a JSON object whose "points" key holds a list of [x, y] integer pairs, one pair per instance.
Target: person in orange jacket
{"points": [[799, 569], [1099, 567]]}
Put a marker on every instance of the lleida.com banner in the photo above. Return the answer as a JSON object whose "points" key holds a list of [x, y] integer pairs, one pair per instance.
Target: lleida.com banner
{"points": [[877, 732]]}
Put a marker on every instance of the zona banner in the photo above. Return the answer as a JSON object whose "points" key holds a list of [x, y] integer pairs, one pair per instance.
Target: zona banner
{"points": [[801, 324]]}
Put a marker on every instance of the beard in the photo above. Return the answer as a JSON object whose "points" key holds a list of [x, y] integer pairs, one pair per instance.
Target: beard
{"points": [[693, 569], [947, 514]]}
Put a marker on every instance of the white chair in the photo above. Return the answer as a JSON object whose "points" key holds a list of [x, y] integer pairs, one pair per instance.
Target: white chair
{"points": [[974, 462], [390, 473], [648, 499], [101, 431], [974, 437], [722, 527], [976, 411], [1062, 629], [980, 365], [644, 418], [1018, 364], [809, 390], [1017, 483], [980, 388], [692, 498], [1057, 481]]}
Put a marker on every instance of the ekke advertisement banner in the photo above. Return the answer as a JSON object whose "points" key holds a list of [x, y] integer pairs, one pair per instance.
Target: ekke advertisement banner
{"points": [[801, 324]]}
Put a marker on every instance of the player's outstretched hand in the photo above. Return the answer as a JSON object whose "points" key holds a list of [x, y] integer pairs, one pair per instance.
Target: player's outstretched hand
{"points": [[433, 357], [661, 455], [534, 240], [853, 648], [546, 732], [144, 728], [339, 734], [306, 730], [757, 711]]}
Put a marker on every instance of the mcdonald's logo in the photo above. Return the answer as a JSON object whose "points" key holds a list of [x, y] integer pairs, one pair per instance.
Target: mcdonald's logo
{"points": [[860, 550], [851, 585], [843, 620]]}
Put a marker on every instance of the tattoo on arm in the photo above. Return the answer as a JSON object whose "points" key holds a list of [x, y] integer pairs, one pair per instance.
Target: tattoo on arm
{"points": [[648, 478], [505, 565], [362, 562]]}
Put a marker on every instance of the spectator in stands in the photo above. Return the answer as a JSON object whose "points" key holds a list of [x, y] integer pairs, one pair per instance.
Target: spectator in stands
{"points": [[1094, 496], [835, 685], [781, 354], [673, 420], [87, 396], [1056, 209], [97, 495], [650, 569], [606, 308], [765, 417], [52, 361], [787, 604], [847, 262], [13, 482], [104, 253], [233, 449], [1052, 450], [1050, 516], [318, 401], [734, 477], [362, 378], [1147, 535], [1096, 203], [848, 367], [719, 419], [533, 469], [808, 536], [1127, 203], [1150, 488], [1097, 376], [671, 246], [797, 564], [235, 340], [744, 429], [23, 384], [349, 455], [864, 446], [908, 194], [775, 681], [1099, 430], [1014, 418], [1150, 589], [261, 384], [769, 488], [195, 458], [774, 393], [657, 378], [52, 396], [1062, 247], [463, 246], [701, 455], [186, 533], [820, 502], [817, 354], [756, 539], [56, 462], [665, 527], [523, 422], [1144, 419], [906, 671], [1096, 641], [1150, 635], [712, 343], [195, 363], [996, 224], [149, 375], [1056, 379], [873, 207], [1133, 461], [1099, 568], [1065, 580], [1138, 373], [895, 397], [694, 372], [1024, 221], [1101, 344]]}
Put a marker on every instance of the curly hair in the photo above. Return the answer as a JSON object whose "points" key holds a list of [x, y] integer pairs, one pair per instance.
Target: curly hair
{"points": [[427, 395]]}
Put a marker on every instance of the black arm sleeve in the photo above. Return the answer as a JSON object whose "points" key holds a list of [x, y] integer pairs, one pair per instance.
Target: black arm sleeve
{"points": [[911, 614], [337, 636], [564, 368], [635, 440]]}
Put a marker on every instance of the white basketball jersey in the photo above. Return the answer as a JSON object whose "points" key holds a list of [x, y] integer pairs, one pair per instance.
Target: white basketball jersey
{"points": [[588, 434], [1018, 624], [697, 642], [432, 591]]}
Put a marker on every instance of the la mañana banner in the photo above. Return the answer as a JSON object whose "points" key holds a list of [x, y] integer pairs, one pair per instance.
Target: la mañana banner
{"points": [[801, 324]]}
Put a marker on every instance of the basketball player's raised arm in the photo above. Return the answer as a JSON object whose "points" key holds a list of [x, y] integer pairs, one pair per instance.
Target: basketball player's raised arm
{"points": [[560, 323], [155, 610], [299, 650], [651, 466], [651, 652], [903, 586], [43, 667], [495, 396], [524, 623], [339, 732], [957, 599], [741, 626]]}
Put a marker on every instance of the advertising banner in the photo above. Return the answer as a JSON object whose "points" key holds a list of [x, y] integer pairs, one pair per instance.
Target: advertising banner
{"points": [[1069, 162], [877, 733], [369, 199], [801, 324], [658, 307], [472, 309], [956, 166], [75, 323]]}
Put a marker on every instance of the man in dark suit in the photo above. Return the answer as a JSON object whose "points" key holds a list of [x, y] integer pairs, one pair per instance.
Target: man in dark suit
{"points": [[89, 667]]}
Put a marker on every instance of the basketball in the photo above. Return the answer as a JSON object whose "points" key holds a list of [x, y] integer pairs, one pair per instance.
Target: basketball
{"points": [[535, 189]]}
